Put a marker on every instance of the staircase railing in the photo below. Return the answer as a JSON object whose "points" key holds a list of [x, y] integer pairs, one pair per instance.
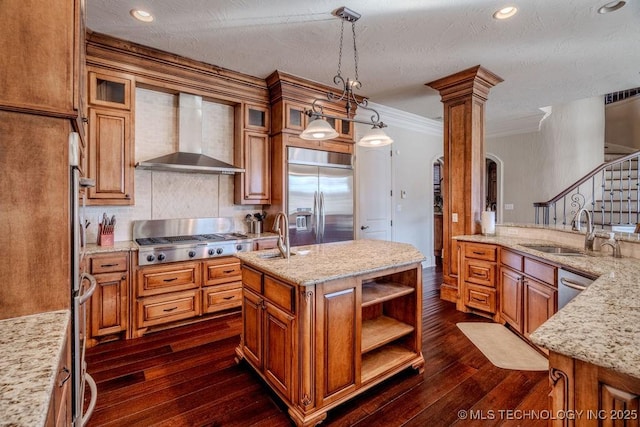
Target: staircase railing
{"points": [[610, 192]]}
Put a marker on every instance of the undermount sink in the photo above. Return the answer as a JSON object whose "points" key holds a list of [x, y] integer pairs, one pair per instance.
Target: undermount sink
{"points": [[555, 250]]}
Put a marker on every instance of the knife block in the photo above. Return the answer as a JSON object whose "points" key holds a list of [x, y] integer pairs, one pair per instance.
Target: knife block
{"points": [[105, 235]]}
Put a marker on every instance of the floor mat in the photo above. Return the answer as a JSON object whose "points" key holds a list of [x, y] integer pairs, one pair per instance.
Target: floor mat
{"points": [[502, 347]]}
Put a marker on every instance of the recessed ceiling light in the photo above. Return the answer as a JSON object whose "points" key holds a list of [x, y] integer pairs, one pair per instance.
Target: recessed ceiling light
{"points": [[506, 12], [612, 6], [141, 15]]}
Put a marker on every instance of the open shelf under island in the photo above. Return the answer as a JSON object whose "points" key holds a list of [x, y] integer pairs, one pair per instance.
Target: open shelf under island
{"points": [[332, 321]]}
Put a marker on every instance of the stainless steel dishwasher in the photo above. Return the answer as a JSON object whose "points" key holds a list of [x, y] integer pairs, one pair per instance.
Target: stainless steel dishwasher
{"points": [[569, 285]]}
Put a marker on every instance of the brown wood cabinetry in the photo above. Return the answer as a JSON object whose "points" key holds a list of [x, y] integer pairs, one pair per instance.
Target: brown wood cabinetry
{"points": [[540, 302], [221, 285], [111, 148], [511, 288], [169, 295], [523, 294], [318, 346], [40, 104], [109, 307], [478, 278], [252, 152], [60, 410], [601, 396], [261, 244]]}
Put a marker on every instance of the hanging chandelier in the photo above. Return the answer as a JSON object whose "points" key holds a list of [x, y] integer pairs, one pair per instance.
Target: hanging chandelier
{"points": [[318, 128]]}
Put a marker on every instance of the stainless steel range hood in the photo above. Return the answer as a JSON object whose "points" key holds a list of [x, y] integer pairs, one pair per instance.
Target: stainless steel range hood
{"points": [[189, 157]]}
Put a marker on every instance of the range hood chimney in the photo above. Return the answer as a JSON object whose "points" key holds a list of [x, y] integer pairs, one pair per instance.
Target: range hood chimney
{"points": [[189, 157]]}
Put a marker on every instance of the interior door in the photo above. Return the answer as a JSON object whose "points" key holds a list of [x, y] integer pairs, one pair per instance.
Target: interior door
{"points": [[336, 204], [374, 193], [303, 204]]}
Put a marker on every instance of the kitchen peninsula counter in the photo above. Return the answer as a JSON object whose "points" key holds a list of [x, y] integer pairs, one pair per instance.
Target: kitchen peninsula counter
{"points": [[30, 353], [601, 325], [331, 321]]}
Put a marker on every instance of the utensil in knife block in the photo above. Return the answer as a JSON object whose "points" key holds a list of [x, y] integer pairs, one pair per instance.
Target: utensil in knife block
{"points": [[105, 235]]}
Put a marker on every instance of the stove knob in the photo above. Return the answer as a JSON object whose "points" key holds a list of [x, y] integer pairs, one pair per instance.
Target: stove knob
{"points": [[192, 254], [238, 247], [161, 257], [212, 251], [219, 251], [150, 258]]}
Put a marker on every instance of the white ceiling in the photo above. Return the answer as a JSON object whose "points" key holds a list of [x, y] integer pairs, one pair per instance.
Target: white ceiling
{"points": [[551, 52]]}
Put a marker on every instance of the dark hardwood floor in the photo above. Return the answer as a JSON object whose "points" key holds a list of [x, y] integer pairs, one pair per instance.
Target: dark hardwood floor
{"points": [[188, 377]]}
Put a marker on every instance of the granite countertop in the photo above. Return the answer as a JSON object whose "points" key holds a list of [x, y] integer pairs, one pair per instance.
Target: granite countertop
{"points": [[30, 351], [602, 324], [121, 246], [315, 264]]}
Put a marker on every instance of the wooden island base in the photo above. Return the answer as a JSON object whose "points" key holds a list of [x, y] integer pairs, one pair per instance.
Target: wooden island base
{"points": [[318, 346]]}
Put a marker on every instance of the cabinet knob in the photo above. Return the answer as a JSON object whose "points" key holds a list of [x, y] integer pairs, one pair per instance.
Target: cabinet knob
{"points": [[85, 120], [124, 277], [126, 196]]}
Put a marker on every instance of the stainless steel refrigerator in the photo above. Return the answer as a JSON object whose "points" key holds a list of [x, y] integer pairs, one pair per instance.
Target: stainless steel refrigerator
{"points": [[320, 196]]}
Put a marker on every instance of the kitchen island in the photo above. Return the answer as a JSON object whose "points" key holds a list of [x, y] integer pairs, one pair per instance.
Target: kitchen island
{"points": [[331, 321], [594, 341]]}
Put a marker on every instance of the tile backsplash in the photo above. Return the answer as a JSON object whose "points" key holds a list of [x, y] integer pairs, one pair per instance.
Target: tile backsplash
{"points": [[166, 195]]}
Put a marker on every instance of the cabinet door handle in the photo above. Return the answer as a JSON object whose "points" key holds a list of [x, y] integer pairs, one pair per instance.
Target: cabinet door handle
{"points": [[124, 277], [170, 280], [228, 271], [67, 373], [479, 299], [166, 310], [478, 252], [108, 265], [228, 298]]}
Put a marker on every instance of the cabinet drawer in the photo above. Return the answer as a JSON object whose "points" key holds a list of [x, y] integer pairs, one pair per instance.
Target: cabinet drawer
{"points": [[168, 308], [221, 271], [109, 263], [538, 270], [252, 279], [485, 252], [214, 300], [480, 272], [480, 297], [511, 259], [163, 279], [279, 293]]}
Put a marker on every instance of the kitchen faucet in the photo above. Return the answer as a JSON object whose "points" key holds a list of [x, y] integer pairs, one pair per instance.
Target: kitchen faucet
{"points": [[615, 245], [590, 235], [281, 227]]}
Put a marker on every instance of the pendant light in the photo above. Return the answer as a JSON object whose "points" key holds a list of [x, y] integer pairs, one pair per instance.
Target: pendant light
{"points": [[319, 129]]}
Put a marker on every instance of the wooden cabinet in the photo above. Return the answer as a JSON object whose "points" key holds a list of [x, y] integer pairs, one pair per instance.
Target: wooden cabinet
{"points": [[41, 45], [221, 285], [511, 302], [601, 396], [111, 149], [511, 289], [478, 278], [318, 346], [60, 409], [268, 328], [261, 244], [540, 302], [253, 153], [109, 307], [169, 295]]}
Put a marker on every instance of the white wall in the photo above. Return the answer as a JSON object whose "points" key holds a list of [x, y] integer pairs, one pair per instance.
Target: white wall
{"points": [[538, 165], [417, 142], [165, 195]]}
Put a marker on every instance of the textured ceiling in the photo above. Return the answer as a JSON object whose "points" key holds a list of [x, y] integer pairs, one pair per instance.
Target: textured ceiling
{"points": [[551, 52]]}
